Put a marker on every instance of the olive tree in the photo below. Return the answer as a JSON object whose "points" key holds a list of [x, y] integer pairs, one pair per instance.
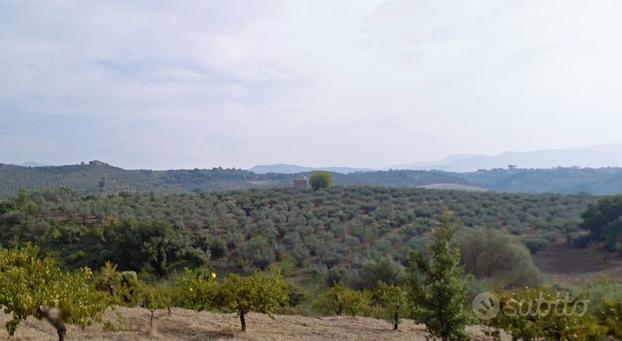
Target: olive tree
{"points": [[34, 286]]}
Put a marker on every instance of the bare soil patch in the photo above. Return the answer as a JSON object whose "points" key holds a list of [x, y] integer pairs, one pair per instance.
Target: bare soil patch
{"points": [[132, 324], [566, 262]]}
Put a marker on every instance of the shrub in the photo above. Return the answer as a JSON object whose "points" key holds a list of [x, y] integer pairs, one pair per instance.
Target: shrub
{"points": [[527, 314], [498, 257]]}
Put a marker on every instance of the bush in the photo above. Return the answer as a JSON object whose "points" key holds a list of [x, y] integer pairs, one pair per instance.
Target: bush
{"points": [[498, 257], [527, 314]]}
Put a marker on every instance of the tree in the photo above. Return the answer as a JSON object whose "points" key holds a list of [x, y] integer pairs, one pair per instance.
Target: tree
{"points": [[385, 270], [151, 298], [498, 257], [196, 290], [259, 292], [438, 290], [394, 300], [604, 222], [321, 180], [34, 286], [341, 300]]}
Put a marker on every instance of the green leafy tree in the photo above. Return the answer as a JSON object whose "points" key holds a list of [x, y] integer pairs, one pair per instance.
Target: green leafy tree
{"points": [[196, 290], [151, 298], [321, 180], [35, 286], [259, 292], [394, 300], [341, 300], [497, 257], [438, 289], [604, 222]]}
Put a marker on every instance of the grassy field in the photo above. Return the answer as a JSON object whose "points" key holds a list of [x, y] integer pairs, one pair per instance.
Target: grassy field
{"points": [[132, 324]]}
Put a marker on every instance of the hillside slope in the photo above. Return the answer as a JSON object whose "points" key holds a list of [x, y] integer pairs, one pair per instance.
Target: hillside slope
{"points": [[98, 177]]}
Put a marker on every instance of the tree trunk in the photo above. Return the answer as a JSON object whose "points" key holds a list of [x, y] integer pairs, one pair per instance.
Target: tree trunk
{"points": [[243, 320], [54, 318], [396, 321], [151, 320], [61, 330]]}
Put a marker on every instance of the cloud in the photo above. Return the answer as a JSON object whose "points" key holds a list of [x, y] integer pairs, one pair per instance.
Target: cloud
{"points": [[367, 83]]}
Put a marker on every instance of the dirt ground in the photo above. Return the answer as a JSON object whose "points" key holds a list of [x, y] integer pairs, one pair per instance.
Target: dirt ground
{"points": [[568, 263], [132, 324]]}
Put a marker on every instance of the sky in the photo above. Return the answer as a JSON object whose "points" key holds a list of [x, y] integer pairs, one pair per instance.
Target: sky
{"points": [[364, 83]]}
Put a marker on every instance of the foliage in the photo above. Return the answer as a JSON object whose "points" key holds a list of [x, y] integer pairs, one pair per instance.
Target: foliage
{"points": [[151, 298], [34, 286], [120, 285], [196, 289], [498, 257], [394, 300], [321, 180], [605, 297], [373, 273], [100, 178], [541, 312], [604, 222], [439, 297], [259, 292], [341, 300], [352, 230]]}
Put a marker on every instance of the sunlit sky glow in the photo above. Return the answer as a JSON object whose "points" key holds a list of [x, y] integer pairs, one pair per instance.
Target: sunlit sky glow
{"points": [[185, 84]]}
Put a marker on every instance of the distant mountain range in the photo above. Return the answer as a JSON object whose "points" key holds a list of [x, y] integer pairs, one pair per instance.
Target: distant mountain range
{"points": [[590, 157], [293, 169], [530, 172], [32, 164]]}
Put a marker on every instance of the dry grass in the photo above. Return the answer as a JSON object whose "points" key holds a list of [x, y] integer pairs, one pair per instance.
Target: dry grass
{"points": [[132, 324]]}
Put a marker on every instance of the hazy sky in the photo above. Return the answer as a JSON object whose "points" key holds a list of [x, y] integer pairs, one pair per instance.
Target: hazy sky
{"points": [[184, 84]]}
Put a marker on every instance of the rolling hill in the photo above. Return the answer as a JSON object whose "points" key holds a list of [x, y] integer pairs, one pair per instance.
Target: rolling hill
{"points": [[98, 177]]}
